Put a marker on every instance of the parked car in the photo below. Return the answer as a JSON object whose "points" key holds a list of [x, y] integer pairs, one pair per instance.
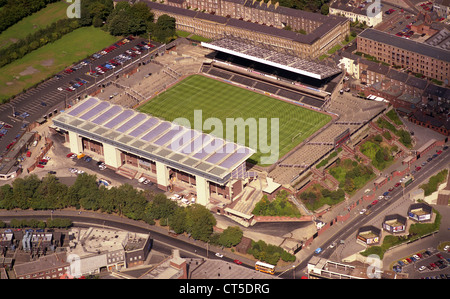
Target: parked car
{"points": [[219, 255]]}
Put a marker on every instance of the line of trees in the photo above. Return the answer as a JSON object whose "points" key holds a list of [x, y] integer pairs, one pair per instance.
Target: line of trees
{"points": [[36, 40], [123, 20], [137, 19], [15, 10], [49, 193], [308, 5], [41, 224]]}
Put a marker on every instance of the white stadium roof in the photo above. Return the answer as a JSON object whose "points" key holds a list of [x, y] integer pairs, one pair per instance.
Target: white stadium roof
{"points": [[241, 48], [149, 137]]}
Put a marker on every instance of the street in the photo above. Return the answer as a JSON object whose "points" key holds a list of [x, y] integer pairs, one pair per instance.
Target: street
{"points": [[348, 230]]}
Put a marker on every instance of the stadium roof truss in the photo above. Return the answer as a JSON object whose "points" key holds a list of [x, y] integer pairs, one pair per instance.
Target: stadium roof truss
{"points": [[149, 137], [259, 53]]}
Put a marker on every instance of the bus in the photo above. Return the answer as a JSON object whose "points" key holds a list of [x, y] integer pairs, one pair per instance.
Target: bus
{"points": [[264, 267]]}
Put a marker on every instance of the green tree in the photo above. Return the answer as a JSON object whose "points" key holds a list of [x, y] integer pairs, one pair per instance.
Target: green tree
{"points": [[50, 194], [160, 206], [164, 29], [7, 197], [199, 222], [231, 236], [84, 193], [177, 221], [24, 189], [325, 9]]}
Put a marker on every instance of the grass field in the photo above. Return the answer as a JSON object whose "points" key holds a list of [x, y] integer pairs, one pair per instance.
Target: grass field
{"points": [[221, 100], [51, 59], [38, 20]]}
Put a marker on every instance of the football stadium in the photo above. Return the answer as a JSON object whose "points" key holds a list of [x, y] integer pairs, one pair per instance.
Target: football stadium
{"points": [[216, 99], [181, 126]]}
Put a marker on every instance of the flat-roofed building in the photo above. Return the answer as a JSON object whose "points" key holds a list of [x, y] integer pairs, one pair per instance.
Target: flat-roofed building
{"points": [[420, 212], [95, 249], [394, 224], [162, 151]]}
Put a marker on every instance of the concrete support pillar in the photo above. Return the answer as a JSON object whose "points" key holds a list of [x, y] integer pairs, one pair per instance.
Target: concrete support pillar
{"points": [[112, 156], [76, 145], [162, 175], [202, 187]]}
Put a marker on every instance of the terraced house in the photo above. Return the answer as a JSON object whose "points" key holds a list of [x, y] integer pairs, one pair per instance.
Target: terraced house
{"points": [[432, 62], [297, 32]]}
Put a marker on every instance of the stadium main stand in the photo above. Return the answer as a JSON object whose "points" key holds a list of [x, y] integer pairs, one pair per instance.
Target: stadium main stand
{"points": [[255, 83], [257, 52]]}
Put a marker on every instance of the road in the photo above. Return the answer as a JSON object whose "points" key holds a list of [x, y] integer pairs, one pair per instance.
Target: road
{"points": [[162, 242], [351, 226], [190, 248]]}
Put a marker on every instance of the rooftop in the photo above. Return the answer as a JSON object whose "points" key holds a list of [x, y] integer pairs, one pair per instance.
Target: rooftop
{"points": [[52, 261], [256, 52], [327, 23], [406, 44], [149, 137]]}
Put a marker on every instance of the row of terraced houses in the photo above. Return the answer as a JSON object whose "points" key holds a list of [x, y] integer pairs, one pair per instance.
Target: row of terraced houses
{"points": [[293, 31]]}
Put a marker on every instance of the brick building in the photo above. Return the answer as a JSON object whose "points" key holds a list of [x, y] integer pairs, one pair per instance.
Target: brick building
{"points": [[309, 34], [432, 62]]}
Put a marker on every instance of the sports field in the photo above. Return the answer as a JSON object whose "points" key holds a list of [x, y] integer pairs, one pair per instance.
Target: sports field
{"points": [[220, 100]]}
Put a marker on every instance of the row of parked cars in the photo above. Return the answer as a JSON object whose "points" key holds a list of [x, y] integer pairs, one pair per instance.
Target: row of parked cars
{"points": [[101, 69], [439, 264], [119, 59], [73, 85]]}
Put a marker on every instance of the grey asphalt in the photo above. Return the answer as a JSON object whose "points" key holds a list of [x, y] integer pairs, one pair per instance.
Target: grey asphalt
{"points": [[32, 100]]}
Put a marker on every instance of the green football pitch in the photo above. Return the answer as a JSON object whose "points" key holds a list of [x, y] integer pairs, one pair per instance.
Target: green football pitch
{"points": [[216, 99]]}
